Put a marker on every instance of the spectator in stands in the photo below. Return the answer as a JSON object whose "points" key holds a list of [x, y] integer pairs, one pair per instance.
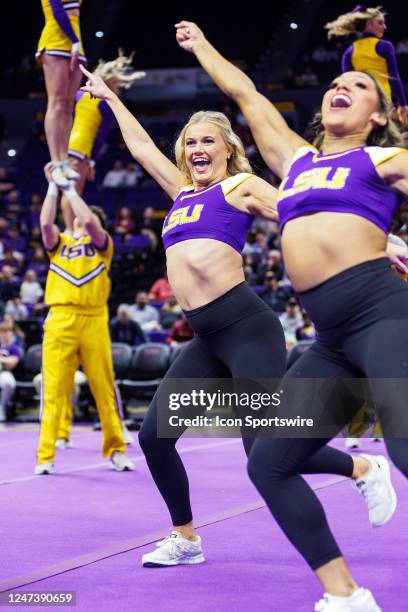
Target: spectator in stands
{"points": [[35, 240], [273, 264], [18, 335], [13, 205], [15, 242], [13, 260], [124, 329], [291, 320], [402, 46], [180, 332], [149, 221], [257, 247], [116, 177], [273, 295], [10, 355], [133, 175], [8, 284], [160, 290], [33, 217], [170, 312], [6, 184], [308, 78], [147, 316], [16, 309], [124, 223], [31, 291], [39, 263], [306, 331]]}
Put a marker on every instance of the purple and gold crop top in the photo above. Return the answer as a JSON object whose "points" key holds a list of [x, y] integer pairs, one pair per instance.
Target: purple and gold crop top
{"points": [[345, 182], [207, 214]]}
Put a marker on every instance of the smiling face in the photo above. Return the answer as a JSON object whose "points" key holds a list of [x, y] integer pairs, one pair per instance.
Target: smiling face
{"points": [[351, 105], [376, 26], [206, 153]]}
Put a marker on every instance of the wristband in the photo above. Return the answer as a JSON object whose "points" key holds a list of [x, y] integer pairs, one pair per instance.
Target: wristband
{"points": [[76, 48], [52, 189]]}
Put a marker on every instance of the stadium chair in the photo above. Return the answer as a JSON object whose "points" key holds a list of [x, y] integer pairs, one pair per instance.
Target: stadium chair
{"points": [[122, 357], [149, 364], [29, 367], [298, 350]]}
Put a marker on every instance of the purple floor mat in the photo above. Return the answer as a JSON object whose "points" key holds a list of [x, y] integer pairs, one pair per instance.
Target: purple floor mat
{"points": [[87, 513]]}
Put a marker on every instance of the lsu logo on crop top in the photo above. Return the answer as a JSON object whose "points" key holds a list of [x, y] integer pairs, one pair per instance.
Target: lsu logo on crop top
{"points": [[345, 182], [326, 177], [187, 214]]}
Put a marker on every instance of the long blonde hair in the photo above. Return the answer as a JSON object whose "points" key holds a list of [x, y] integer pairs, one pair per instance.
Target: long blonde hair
{"points": [[235, 164], [352, 22], [119, 70], [389, 135]]}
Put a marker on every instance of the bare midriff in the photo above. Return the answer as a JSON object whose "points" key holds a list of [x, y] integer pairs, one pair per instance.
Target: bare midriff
{"points": [[200, 270], [318, 246]]}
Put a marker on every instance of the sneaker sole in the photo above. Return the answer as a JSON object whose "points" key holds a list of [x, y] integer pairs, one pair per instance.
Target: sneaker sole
{"points": [[192, 561], [125, 469], [386, 467]]}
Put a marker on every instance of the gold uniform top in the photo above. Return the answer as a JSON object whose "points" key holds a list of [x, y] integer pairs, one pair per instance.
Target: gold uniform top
{"points": [[92, 121], [61, 29], [78, 278]]}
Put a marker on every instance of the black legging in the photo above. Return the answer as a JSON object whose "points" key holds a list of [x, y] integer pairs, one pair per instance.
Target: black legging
{"points": [[361, 316], [236, 335]]}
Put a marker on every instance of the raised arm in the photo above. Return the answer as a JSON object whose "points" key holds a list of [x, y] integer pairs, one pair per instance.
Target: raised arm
{"points": [[49, 230], [275, 140], [136, 138]]}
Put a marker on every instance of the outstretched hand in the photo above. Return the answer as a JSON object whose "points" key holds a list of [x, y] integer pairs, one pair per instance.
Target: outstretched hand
{"points": [[95, 86], [48, 168], [188, 35]]}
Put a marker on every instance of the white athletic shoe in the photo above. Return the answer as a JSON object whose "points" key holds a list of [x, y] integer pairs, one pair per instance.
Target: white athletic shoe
{"points": [[59, 177], [175, 550], [127, 436], [377, 490], [63, 444], [121, 462], [44, 468], [352, 443], [361, 600], [70, 173]]}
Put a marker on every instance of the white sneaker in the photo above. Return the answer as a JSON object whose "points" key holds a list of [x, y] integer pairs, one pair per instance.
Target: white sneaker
{"points": [[59, 177], [377, 490], [361, 600], [127, 436], [352, 443], [44, 468], [175, 550], [121, 462], [70, 173], [63, 444]]}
